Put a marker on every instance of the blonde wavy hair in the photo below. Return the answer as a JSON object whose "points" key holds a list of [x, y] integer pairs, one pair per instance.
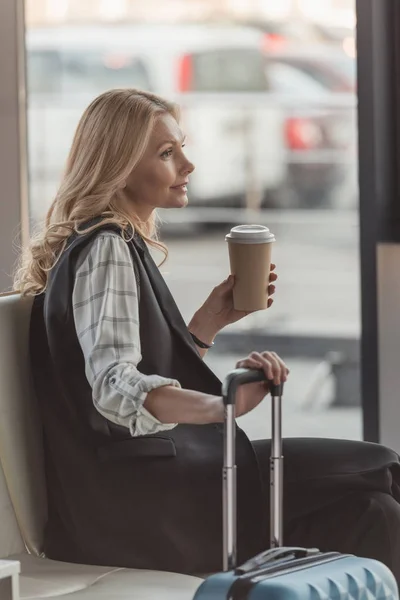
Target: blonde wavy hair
{"points": [[109, 142]]}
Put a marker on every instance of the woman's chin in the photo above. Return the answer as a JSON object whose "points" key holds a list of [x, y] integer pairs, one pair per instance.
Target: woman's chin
{"points": [[180, 202]]}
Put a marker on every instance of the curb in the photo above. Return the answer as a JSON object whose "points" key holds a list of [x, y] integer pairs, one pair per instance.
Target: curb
{"points": [[289, 345]]}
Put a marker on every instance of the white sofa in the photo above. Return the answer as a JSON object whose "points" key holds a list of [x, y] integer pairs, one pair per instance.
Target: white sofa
{"points": [[23, 495]]}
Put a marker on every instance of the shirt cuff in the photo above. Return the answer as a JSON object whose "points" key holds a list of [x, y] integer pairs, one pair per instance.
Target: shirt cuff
{"points": [[144, 423]]}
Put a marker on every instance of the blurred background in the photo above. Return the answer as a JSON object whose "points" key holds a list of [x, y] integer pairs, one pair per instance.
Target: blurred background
{"points": [[268, 96]]}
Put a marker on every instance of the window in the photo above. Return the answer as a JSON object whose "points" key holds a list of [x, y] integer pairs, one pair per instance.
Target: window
{"points": [[73, 72], [43, 72], [236, 70]]}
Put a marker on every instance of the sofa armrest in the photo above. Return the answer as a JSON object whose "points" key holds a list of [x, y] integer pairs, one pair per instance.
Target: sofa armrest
{"points": [[9, 579]]}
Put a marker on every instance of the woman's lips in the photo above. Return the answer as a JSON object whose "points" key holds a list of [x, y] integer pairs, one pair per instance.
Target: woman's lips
{"points": [[180, 188]]}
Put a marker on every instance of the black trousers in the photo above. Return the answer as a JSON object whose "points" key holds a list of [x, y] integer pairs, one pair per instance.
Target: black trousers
{"points": [[338, 496]]}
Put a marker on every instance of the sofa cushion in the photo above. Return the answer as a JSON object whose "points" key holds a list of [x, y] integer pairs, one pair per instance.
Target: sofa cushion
{"points": [[44, 579]]}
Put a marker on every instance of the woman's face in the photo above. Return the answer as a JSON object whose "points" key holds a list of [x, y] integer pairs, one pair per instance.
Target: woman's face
{"points": [[161, 177]]}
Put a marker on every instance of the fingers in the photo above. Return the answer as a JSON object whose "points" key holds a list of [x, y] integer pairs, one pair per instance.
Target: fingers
{"points": [[271, 288], [264, 363], [274, 367], [249, 363], [281, 370], [227, 283]]}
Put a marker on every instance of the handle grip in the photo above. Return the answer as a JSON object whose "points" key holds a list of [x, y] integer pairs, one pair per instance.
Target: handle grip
{"points": [[230, 387], [239, 377], [274, 555]]}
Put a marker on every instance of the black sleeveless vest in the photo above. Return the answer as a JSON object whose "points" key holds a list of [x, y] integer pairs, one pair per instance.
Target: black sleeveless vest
{"points": [[150, 502]]}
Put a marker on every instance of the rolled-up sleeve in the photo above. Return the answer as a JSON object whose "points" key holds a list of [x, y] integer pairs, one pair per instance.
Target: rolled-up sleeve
{"points": [[106, 314]]}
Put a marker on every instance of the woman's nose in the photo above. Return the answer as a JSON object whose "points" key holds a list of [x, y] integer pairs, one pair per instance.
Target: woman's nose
{"points": [[189, 167]]}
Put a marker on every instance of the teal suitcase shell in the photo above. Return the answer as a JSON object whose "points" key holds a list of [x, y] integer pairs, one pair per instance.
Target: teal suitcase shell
{"points": [[325, 577]]}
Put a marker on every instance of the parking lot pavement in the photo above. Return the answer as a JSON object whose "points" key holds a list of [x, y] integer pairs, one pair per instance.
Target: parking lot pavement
{"points": [[317, 262], [316, 253], [306, 411]]}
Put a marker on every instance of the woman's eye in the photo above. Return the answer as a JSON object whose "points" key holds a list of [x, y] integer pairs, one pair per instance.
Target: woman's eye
{"points": [[167, 153]]}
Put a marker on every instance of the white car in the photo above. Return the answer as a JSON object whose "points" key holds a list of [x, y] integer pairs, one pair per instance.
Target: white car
{"points": [[216, 74]]}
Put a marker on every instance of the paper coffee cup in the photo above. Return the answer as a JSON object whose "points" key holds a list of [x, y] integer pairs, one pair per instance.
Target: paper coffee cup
{"points": [[250, 261]]}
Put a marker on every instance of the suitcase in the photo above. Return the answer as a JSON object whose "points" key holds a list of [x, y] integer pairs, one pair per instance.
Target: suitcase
{"points": [[283, 573]]}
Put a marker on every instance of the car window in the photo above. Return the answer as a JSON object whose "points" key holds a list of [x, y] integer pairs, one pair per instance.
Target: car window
{"points": [[330, 73], [346, 66], [77, 71], [98, 71], [232, 70], [287, 79]]}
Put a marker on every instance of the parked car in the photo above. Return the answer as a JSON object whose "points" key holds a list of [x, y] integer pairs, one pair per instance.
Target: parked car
{"points": [[331, 67], [319, 137], [281, 33], [216, 73]]}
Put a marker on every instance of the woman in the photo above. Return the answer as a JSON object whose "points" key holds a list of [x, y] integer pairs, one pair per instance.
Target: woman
{"points": [[132, 415]]}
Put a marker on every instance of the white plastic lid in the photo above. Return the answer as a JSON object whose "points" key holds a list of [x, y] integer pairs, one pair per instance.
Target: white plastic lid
{"points": [[250, 234]]}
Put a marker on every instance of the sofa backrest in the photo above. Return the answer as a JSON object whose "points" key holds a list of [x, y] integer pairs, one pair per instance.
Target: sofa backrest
{"points": [[21, 448], [11, 541]]}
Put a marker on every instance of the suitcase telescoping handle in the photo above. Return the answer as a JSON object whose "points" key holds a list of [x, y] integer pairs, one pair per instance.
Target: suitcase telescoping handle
{"points": [[230, 387]]}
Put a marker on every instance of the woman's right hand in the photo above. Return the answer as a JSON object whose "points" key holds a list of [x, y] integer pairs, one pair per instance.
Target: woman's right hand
{"points": [[169, 404], [251, 394]]}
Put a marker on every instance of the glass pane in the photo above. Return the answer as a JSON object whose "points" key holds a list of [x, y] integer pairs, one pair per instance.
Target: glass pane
{"points": [[43, 72], [229, 71], [96, 71], [268, 98]]}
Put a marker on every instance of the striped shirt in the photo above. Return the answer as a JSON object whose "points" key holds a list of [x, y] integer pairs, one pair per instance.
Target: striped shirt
{"points": [[106, 314]]}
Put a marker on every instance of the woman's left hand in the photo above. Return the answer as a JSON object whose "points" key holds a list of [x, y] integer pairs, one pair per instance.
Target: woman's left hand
{"points": [[218, 308]]}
